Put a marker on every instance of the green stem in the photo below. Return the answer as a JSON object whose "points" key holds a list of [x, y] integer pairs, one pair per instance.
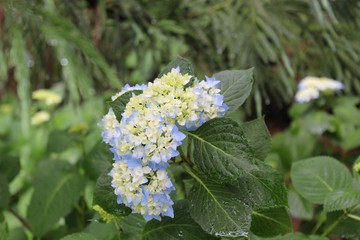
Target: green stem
{"points": [[188, 154], [21, 219], [355, 217], [341, 218]]}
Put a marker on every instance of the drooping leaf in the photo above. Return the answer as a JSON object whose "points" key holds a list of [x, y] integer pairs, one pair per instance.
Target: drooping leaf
{"points": [[119, 104], [315, 177], [4, 192], [79, 236], [182, 226], [57, 187], [341, 199], [258, 136], [218, 210], [9, 167], [263, 188], [222, 151], [235, 86], [105, 197], [270, 222], [182, 63], [300, 207]]}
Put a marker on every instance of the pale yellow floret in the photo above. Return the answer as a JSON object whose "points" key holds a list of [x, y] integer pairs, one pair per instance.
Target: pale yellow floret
{"points": [[40, 117], [357, 167], [47, 96]]}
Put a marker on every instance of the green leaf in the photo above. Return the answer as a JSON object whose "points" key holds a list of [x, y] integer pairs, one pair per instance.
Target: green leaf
{"points": [[102, 231], [105, 197], [98, 160], [4, 232], [59, 140], [262, 188], [291, 236], [299, 206], [132, 227], [57, 187], [9, 167], [79, 236], [218, 210], [4, 192], [222, 151], [352, 140], [182, 226], [270, 222], [341, 199], [119, 104], [258, 136], [315, 177], [182, 63], [235, 86]]}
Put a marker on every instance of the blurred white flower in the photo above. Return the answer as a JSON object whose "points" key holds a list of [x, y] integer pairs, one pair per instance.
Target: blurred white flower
{"points": [[48, 96], [40, 117]]}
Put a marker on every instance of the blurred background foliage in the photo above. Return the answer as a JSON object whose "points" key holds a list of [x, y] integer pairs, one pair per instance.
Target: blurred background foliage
{"points": [[87, 49]]}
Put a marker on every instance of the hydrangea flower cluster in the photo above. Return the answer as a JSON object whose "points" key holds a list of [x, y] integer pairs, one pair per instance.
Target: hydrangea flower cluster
{"points": [[148, 136], [310, 88]]}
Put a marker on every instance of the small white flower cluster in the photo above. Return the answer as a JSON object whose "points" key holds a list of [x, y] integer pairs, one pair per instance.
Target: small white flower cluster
{"points": [[310, 88], [148, 135]]}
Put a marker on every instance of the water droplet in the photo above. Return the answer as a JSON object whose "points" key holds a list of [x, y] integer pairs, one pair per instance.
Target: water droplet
{"points": [[180, 233], [30, 63], [64, 62]]}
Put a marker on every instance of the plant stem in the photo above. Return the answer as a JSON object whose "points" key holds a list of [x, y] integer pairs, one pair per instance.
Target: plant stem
{"points": [[355, 217], [188, 154], [21, 219], [341, 218]]}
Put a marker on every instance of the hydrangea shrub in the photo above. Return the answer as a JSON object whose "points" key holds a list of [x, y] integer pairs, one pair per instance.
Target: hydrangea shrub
{"points": [[180, 121]]}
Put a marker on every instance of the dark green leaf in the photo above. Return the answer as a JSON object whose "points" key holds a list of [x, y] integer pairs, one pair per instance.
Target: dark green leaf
{"points": [[4, 192], [105, 197], [182, 226], [258, 136], [299, 206], [218, 210], [235, 86], [98, 160], [291, 236], [341, 199], [9, 167], [59, 140], [102, 231], [119, 104], [132, 227], [79, 236], [57, 187], [221, 150], [352, 140], [315, 177], [270, 222], [262, 188], [347, 228], [182, 63]]}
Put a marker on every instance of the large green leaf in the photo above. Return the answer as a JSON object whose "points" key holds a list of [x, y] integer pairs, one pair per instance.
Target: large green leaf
{"points": [[119, 104], [9, 166], [300, 207], [315, 177], [4, 192], [263, 188], [57, 187], [105, 197], [221, 150], [218, 210], [235, 86], [270, 222], [103, 231], [291, 236], [79, 236], [132, 227], [182, 226], [341, 199], [258, 136], [182, 63]]}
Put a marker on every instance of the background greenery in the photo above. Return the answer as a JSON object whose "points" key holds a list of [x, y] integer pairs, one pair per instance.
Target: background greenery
{"points": [[86, 50]]}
